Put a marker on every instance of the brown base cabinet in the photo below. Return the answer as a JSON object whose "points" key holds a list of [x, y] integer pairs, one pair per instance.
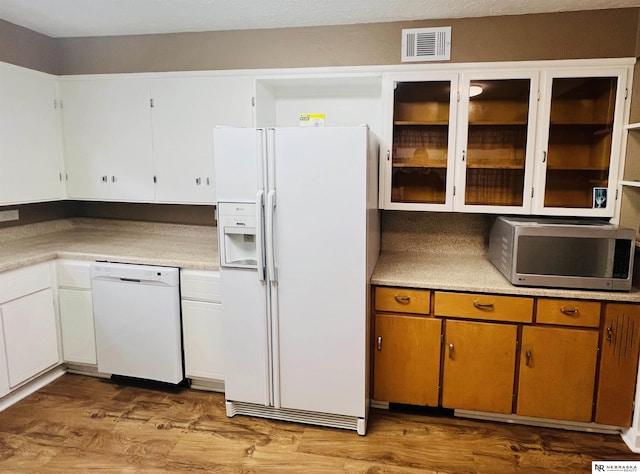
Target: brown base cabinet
{"points": [[620, 346], [479, 366], [407, 359], [551, 358], [557, 373]]}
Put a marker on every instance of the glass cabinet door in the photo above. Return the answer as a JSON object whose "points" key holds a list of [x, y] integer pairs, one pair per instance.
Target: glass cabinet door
{"points": [[423, 134], [496, 143], [579, 139]]}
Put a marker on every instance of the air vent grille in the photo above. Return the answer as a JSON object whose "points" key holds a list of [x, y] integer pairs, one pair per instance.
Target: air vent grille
{"points": [[426, 44]]}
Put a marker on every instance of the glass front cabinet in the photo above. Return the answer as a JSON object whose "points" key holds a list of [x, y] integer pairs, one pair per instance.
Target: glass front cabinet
{"points": [[528, 141], [581, 126], [496, 134], [419, 161]]}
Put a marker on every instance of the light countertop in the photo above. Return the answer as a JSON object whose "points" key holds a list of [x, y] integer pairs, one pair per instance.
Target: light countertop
{"points": [[194, 247], [469, 273]]}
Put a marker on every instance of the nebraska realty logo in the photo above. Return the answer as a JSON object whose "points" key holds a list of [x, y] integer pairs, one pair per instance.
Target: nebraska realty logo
{"points": [[615, 466]]}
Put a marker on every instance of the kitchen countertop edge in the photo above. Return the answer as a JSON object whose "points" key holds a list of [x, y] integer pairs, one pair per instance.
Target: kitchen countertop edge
{"points": [[470, 273]]}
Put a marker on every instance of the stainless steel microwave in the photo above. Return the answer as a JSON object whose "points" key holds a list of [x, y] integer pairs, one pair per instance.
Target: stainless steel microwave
{"points": [[562, 253]]}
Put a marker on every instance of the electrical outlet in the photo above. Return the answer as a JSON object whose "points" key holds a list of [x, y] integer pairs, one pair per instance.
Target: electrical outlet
{"points": [[12, 215]]}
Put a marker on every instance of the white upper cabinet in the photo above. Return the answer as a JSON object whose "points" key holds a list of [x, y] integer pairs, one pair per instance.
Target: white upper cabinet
{"points": [[580, 134], [107, 131], [496, 137], [31, 164], [185, 112], [418, 164], [537, 139]]}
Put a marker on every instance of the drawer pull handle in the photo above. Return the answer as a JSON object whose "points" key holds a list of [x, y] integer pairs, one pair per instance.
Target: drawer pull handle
{"points": [[527, 356], [483, 306], [403, 299], [569, 312], [609, 333], [451, 349], [379, 343]]}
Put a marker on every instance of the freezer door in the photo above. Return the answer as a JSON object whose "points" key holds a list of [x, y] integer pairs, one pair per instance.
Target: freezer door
{"points": [[319, 290], [247, 372], [238, 157]]}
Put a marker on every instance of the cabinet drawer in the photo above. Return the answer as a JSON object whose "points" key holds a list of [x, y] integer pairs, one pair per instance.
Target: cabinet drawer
{"points": [[568, 312], [23, 281], [403, 300], [200, 285], [74, 274], [489, 307]]}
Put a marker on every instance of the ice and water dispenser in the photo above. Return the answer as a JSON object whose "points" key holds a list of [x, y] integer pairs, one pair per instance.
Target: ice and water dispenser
{"points": [[237, 223]]}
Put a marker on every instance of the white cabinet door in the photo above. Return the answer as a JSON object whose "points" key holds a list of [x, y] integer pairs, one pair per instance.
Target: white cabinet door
{"points": [[418, 158], [30, 336], [30, 138], [580, 135], [107, 132], [4, 376], [496, 140], [185, 112], [202, 332], [76, 322]]}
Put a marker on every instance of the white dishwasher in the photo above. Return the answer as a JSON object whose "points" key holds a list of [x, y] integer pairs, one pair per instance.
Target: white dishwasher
{"points": [[137, 321]]}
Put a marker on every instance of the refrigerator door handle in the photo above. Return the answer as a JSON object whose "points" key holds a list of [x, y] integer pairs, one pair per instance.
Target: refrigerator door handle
{"points": [[271, 259], [259, 234]]}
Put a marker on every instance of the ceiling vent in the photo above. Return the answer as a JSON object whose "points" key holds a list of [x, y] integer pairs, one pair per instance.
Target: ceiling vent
{"points": [[426, 44]]}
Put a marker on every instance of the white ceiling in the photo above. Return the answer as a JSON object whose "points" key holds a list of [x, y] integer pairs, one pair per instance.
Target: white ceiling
{"points": [[72, 18]]}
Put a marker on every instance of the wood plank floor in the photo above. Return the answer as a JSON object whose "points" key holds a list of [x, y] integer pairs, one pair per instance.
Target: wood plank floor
{"points": [[80, 424]]}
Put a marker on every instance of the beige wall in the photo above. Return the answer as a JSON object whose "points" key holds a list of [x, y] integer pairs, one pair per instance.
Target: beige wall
{"points": [[589, 34], [29, 49]]}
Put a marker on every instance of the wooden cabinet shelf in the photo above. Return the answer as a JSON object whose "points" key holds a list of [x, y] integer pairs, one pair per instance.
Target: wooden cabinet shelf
{"points": [[515, 123], [419, 122]]}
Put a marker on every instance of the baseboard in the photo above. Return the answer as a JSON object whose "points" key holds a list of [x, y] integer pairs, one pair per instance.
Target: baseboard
{"points": [[631, 437], [207, 385], [91, 370], [542, 422], [34, 385]]}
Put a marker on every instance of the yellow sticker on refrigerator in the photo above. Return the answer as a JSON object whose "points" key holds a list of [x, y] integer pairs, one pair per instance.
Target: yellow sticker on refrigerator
{"points": [[312, 120]]}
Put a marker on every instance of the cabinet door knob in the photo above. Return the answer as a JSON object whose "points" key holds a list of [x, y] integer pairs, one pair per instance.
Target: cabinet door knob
{"points": [[527, 356], [403, 299], [451, 349], [379, 343], [483, 306], [569, 312]]}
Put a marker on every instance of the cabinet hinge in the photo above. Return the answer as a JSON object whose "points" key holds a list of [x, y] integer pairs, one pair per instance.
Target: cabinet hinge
{"points": [[454, 190], [155, 178], [55, 104], [388, 155], [532, 190], [458, 97], [616, 194], [538, 95], [626, 94], [253, 101], [151, 103]]}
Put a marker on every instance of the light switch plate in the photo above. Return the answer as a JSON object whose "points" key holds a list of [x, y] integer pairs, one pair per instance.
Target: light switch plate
{"points": [[12, 215]]}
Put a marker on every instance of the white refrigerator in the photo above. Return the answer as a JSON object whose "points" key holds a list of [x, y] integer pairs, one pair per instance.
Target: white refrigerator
{"points": [[299, 237]]}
